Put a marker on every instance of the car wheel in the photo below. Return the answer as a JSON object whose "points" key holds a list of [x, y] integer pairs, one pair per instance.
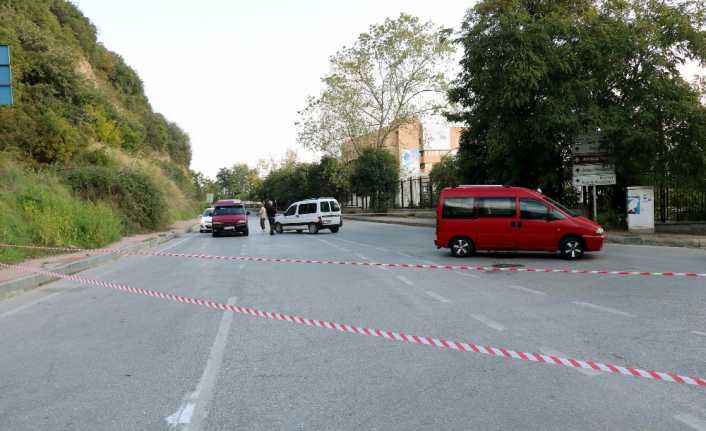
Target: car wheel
{"points": [[313, 228], [214, 234], [461, 247], [278, 228], [571, 248], [335, 229], [246, 232]]}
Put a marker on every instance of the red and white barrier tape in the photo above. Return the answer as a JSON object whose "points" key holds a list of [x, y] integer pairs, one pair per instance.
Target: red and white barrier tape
{"points": [[478, 268], [388, 335]]}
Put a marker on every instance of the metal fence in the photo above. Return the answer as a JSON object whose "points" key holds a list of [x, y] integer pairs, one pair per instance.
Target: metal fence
{"points": [[675, 203], [413, 192]]}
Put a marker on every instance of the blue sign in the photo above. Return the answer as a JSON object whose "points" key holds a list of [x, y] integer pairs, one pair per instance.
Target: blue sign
{"points": [[5, 76]]}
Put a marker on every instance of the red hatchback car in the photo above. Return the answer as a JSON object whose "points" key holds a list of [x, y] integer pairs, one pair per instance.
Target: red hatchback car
{"points": [[229, 216], [473, 218]]}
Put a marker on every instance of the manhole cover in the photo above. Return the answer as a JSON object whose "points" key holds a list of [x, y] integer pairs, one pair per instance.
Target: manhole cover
{"points": [[507, 265]]}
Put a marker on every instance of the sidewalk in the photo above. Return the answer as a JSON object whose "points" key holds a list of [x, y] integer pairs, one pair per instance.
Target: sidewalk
{"points": [[614, 237], [69, 263]]}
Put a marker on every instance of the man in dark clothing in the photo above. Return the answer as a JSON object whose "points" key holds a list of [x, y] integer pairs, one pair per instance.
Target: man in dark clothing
{"points": [[271, 212]]}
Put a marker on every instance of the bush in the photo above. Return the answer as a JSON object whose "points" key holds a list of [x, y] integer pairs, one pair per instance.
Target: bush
{"points": [[375, 173], [36, 209], [139, 200]]}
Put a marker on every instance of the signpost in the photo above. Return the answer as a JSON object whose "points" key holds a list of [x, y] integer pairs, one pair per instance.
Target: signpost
{"points": [[5, 76], [591, 166]]}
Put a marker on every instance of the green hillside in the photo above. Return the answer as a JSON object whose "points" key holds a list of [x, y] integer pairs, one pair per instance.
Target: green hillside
{"points": [[82, 135]]}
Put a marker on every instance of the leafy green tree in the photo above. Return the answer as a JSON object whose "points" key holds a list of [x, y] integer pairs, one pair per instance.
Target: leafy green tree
{"points": [[237, 181], [538, 74], [446, 173], [375, 174], [390, 75]]}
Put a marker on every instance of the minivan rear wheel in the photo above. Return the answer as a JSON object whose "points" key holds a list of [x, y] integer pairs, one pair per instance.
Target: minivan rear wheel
{"points": [[461, 247], [571, 248]]}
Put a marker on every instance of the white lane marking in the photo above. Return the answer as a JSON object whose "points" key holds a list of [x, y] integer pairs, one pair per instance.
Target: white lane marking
{"points": [[692, 421], [465, 274], [360, 256], [364, 245], [488, 322], [30, 304], [437, 296], [703, 334], [241, 266], [405, 280], [585, 372], [191, 414], [330, 244], [525, 289], [602, 308], [171, 246]]}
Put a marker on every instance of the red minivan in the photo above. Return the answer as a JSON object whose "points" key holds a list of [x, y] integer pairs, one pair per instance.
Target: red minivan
{"points": [[229, 216], [470, 218]]}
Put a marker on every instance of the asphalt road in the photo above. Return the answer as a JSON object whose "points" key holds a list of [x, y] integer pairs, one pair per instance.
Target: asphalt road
{"points": [[80, 358]]}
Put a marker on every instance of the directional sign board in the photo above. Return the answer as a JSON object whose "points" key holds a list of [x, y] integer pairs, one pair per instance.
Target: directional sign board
{"points": [[591, 167], [594, 180], [5, 76]]}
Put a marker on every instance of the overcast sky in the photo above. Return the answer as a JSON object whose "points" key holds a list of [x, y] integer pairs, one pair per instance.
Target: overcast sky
{"points": [[234, 73]]}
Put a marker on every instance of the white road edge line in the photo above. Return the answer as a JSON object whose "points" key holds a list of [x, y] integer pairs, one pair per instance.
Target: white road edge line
{"points": [[171, 246], [437, 296], [585, 372], [191, 414], [405, 280], [30, 304], [487, 322], [692, 421], [602, 308], [525, 289]]}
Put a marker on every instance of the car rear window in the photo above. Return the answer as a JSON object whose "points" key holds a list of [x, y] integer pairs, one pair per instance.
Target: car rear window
{"points": [[459, 208], [325, 207], [230, 210], [495, 207]]}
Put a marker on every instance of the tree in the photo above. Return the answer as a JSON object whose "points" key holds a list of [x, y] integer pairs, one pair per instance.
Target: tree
{"points": [[446, 173], [392, 74], [538, 74], [375, 174], [237, 181]]}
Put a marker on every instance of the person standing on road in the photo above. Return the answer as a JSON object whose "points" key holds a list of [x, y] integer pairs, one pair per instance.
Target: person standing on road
{"points": [[263, 217], [271, 212]]}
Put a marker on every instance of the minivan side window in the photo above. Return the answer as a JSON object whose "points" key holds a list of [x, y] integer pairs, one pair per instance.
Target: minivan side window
{"points": [[325, 208], [307, 208], [291, 210], [531, 209], [334, 206], [495, 207], [458, 208]]}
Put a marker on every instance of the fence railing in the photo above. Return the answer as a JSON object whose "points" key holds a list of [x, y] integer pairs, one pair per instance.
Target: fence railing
{"points": [[679, 204], [413, 192]]}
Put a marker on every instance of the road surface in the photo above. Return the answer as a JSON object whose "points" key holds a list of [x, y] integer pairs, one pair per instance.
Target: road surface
{"points": [[74, 357]]}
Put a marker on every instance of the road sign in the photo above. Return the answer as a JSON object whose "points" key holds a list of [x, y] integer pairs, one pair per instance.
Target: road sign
{"points": [[587, 148], [595, 180], [594, 169], [5, 76]]}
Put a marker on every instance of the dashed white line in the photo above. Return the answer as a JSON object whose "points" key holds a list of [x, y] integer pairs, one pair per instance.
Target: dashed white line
{"points": [[404, 280], [602, 308], [30, 304], [692, 421], [552, 352], [360, 256], [336, 246], [191, 414], [437, 296], [703, 334], [467, 274], [525, 289], [171, 246], [364, 245], [488, 322]]}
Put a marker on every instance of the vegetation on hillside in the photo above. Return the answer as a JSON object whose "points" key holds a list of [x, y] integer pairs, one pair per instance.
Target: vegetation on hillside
{"points": [[84, 135]]}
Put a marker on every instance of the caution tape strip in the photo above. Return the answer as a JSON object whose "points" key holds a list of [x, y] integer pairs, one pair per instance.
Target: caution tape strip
{"points": [[388, 335], [478, 268]]}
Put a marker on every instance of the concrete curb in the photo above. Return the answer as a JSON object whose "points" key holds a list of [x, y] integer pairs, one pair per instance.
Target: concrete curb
{"points": [[610, 239], [35, 280]]}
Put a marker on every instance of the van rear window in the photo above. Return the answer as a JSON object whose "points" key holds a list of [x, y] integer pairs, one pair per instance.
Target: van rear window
{"points": [[459, 208]]}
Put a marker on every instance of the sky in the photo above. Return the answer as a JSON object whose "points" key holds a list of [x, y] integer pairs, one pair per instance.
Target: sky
{"points": [[234, 73]]}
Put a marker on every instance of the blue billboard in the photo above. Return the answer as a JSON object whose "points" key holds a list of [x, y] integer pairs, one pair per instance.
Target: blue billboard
{"points": [[5, 76]]}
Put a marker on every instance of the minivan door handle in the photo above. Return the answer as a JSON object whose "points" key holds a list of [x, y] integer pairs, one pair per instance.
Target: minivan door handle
{"points": [[513, 224], [519, 225]]}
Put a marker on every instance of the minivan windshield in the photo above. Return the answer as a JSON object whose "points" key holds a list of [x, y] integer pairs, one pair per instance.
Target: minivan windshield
{"points": [[561, 207], [229, 210]]}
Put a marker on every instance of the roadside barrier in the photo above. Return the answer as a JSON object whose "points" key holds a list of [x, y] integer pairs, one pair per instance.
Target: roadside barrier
{"points": [[476, 268], [441, 343]]}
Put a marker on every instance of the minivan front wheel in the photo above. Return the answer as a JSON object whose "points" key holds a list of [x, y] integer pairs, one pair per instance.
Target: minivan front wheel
{"points": [[571, 248], [461, 247], [313, 228]]}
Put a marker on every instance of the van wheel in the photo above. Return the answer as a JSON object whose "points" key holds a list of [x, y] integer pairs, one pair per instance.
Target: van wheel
{"points": [[278, 228], [246, 232], [313, 228], [571, 248], [461, 247], [214, 234], [335, 229]]}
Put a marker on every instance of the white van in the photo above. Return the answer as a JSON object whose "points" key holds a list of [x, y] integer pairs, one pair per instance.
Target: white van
{"points": [[311, 214]]}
